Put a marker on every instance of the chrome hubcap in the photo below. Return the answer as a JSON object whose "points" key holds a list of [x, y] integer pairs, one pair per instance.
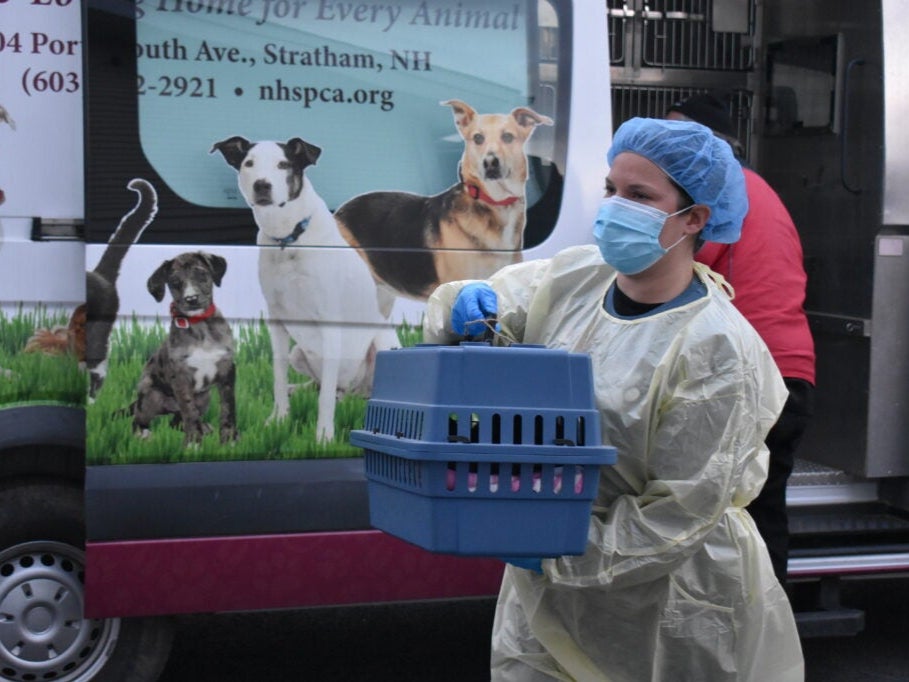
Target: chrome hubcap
{"points": [[43, 635]]}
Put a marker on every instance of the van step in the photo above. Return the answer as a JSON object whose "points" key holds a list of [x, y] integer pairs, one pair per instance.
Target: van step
{"points": [[846, 518], [813, 484], [815, 563], [812, 473], [819, 611], [837, 623]]}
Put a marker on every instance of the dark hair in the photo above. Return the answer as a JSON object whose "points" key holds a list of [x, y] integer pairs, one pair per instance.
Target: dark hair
{"points": [[708, 110], [713, 112], [685, 201]]}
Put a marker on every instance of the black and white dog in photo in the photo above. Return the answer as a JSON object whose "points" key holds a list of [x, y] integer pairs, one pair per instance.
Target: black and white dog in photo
{"points": [[197, 355], [320, 293]]}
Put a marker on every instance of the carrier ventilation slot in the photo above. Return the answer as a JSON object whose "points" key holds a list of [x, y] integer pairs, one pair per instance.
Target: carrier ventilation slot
{"points": [[543, 478], [490, 430], [404, 472], [394, 422]]}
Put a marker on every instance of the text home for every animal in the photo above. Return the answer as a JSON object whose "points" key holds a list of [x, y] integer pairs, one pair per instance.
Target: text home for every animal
{"points": [[385, 16]]}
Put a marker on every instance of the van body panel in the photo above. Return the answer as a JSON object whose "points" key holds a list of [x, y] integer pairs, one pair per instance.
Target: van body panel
{"points": [[270, 572]]}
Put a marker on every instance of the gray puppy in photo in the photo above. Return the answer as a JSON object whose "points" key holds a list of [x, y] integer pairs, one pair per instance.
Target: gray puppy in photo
{"points": [[197, 355]]}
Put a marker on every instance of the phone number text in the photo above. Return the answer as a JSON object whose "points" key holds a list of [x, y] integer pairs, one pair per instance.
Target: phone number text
{"points": [[44, 81], [178, 86]]}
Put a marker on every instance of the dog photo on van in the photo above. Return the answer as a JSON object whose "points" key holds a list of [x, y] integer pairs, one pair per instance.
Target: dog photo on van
{"points": [[323, 315], [196, 356], [413, 242]]}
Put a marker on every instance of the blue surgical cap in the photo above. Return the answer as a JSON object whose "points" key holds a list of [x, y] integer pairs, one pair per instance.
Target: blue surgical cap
{"points": [[698, 161]]}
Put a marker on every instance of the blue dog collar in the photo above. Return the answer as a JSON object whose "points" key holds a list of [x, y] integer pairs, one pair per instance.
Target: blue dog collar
{"points": [[299, 229]]}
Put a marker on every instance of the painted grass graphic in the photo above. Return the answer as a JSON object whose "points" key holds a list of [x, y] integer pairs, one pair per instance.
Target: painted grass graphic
{"points": [[35, 377], [109, 425], [110, 438]]}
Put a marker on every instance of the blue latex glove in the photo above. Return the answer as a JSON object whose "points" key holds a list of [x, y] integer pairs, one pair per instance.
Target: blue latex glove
{"points": [[476, 301], [534, 564]]}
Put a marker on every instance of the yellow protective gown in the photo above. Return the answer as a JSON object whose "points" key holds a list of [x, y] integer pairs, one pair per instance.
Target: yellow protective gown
{"points": [[675, 583]]}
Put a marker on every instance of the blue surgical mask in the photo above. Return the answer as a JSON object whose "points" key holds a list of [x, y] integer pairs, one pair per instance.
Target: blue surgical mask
{"points": [[628, 234]]}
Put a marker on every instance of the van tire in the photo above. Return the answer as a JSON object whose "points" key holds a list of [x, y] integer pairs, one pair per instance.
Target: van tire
{"points": [[42, 565]]}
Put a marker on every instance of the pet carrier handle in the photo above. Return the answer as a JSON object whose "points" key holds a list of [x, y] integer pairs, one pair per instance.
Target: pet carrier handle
{"points": [[490, 330]]}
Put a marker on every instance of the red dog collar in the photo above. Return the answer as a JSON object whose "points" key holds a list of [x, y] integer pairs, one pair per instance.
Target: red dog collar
{"points": [[476, 192], [183, 322]]}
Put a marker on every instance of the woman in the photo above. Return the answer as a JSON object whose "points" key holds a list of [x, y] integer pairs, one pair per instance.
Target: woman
{"points": [[675, 582]]}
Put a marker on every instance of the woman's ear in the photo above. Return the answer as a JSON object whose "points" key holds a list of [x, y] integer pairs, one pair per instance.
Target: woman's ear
{"points": [[696, 217]]}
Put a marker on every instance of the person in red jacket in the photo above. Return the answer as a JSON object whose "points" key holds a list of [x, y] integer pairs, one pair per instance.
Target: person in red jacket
{"points": [[765, 267]]}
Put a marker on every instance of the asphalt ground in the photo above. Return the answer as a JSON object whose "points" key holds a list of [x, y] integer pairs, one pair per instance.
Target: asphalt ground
{"points": [[449, 642]]}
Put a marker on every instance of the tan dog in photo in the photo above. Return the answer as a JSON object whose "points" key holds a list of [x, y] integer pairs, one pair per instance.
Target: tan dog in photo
{"points": [[413, 243]]}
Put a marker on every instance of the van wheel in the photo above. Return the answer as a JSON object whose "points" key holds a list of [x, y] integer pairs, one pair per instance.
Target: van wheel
{"points": [[43, 634]]}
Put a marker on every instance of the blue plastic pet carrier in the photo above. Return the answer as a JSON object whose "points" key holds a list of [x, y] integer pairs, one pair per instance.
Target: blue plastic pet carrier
{"points": [[483, 451]]}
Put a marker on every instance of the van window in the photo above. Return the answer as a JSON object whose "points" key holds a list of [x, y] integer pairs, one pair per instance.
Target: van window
{"points": [[365, 83], [801, 76], [188, 99]]}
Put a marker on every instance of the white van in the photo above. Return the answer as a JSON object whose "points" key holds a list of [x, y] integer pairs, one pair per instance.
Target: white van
{"points": [[263, 193]]}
